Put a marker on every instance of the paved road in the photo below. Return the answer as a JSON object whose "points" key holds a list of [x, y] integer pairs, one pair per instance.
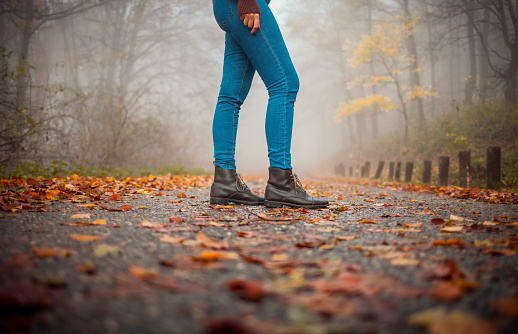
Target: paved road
{"points": [[378, 260]]}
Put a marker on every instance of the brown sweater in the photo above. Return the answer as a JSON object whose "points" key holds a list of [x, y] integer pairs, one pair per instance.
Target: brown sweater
{"points": [[247, 7]]}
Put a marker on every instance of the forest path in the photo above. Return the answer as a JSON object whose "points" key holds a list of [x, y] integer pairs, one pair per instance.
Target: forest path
{"points": [[152, 255]]}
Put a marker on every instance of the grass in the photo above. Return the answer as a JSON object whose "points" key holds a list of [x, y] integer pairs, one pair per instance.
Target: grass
{"points": [[55, 168]]}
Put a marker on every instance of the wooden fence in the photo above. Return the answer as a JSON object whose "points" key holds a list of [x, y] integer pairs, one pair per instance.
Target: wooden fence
{"points": [[493, 168]]}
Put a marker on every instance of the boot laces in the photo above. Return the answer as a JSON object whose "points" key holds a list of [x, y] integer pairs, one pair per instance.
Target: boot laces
{"points": [[240, 183], [298, 184]]}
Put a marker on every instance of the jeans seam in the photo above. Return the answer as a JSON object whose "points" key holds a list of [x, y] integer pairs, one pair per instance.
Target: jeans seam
{"points": [[285, 97], [229, 17]]}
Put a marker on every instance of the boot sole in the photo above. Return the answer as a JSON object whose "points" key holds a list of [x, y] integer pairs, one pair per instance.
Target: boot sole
{"points": [[226, 201], [272, 204]]}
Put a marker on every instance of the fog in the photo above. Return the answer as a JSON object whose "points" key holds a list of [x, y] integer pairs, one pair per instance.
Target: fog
{"points": [[134, 83]]}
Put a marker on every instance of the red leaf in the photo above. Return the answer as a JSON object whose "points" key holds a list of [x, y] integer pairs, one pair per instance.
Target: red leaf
{"points": [[249, 289]]}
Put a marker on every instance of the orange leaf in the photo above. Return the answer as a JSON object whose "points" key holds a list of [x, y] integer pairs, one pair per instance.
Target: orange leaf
{"points": [[171, 240], [175, 219], [182, 195], [446, 291], [82, 237], [448, 242], [43, 252], [142, 273], [116, 197], [99, 222], [209, 256], [210, 243], [364, 221], [147, 223], [81, 216], [414, 225]]}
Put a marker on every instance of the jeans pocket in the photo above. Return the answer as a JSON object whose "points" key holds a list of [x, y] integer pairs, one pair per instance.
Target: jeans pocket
{"points": [[222, 11]]}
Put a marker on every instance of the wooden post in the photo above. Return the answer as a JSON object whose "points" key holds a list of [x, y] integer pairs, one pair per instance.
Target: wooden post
{"points": [[398, 171], [444, 166], [494, 162], [362, 171], [392, 165], [350, 171], [379, 170], [427, 172], [409, 170], [367, 169], [465, 169]]}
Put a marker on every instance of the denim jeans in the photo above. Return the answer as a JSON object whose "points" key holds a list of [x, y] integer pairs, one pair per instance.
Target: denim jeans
{"points": [[266, 52]]}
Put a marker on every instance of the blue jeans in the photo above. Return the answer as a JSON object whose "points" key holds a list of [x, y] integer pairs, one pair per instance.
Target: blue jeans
{"points": [[245, 53]]}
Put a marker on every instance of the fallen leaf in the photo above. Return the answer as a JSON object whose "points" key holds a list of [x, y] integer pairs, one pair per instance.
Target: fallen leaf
{"points": [[142, 273], [446, 291], [448, 242], [403, 262], [146, 223], [175, 219], [172, 240], [208, 256], [252, 290], [439, 321], [414, 225], [437, 221], [210, 243], [82, 237], [99, 222], [453, 229], [43, 252], [181, 195], [364, 221], [115, 197], [81, 216], [105, 250]]}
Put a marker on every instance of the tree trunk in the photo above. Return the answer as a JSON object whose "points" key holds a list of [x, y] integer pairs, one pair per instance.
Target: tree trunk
{"points": [[472, 78], [22, 82], [484, 59], [415, 77], [374, 112]]}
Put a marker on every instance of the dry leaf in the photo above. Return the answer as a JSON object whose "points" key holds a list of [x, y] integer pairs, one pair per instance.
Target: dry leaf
{"points": [[142, 273], [453, 229], [171, 240], [99, 222], [403, 262], [364, 221], [210, 243], [82, 237], [148, 224], [105, 250], [43, 252], [81, 216]]}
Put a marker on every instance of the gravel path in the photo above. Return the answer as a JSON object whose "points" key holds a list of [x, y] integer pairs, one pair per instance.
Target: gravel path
{"points": [[377, 261]]}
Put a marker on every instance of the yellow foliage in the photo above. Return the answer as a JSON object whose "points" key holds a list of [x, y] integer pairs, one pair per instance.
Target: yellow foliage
{"points": [[358, 105], [418, 92], [368, 81]]}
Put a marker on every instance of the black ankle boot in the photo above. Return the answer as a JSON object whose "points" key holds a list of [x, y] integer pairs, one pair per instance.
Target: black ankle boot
{"points": [[284, 188], [229, 186]]}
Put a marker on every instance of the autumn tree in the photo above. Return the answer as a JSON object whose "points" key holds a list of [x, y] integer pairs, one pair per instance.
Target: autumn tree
{"points": [[386, 47]]}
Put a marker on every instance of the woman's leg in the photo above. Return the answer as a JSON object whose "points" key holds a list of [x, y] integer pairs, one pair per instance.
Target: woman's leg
{"points": [[268, 53], [238, 73]]}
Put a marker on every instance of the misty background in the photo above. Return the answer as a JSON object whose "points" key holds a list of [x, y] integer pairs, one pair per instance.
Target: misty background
{"points": [[134, 83]]}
